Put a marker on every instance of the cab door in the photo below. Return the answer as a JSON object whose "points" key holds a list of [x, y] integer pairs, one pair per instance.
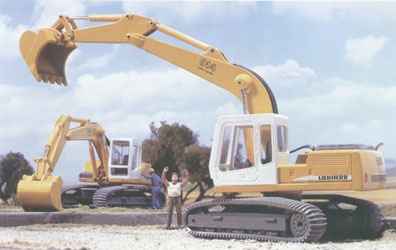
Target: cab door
{"points": [[119, 161], [135, 158], [236, 157]]}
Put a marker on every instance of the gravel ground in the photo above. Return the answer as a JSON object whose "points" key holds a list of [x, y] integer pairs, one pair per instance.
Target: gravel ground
{"points": [[71, 236]]}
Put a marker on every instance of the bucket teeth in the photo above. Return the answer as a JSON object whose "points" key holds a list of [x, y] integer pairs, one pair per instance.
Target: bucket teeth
{"points": [[61, 80], [44, 77], [53, 79]]}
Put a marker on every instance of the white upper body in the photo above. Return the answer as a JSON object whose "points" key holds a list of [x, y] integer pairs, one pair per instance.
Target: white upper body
{"points": [[174, 190]]}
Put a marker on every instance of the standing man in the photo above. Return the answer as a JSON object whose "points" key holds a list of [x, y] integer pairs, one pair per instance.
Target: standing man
{"points": [[156, 184], [2, 183], [174, 195]]}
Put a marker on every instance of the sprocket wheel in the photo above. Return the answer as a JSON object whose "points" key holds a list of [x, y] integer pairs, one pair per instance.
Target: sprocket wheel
{"points": [[298, 224]]}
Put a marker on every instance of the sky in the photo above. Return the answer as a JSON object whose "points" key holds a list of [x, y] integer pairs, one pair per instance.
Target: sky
{"points": [[329, 64]]}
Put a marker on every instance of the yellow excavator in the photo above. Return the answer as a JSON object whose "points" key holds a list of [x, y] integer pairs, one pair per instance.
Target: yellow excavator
{"points": [[250, 152], [114, 179]]}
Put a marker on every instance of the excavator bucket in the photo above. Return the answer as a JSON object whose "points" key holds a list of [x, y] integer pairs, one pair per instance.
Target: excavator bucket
{"points": [[40, 195], [45, 53]]}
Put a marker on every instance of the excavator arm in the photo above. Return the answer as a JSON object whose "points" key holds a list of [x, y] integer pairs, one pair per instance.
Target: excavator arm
{"points": [[45, 188], [46, 50]]}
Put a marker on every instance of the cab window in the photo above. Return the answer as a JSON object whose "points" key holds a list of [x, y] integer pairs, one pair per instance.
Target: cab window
{"points": [[237, 148], [282, 138], [134, 156], [265, 144], [120, 153]]}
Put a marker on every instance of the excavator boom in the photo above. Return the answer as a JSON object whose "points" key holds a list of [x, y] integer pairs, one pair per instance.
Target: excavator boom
{"points": [[46, 50]]}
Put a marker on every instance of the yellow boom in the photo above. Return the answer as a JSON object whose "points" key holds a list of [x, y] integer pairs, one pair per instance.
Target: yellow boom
{"points": [[46, 50], [42, 191]]}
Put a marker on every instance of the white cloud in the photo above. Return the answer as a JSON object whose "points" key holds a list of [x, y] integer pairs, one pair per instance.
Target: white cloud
{"points": [[231, 108], [350, 127], [126, 125], [99, 61], [11, 130], [361, 51], [343, 112], [342, 100], [148, 90], [182, 11], [76, 53], [376, 124], [27, 103], [290, 73], [96, 62], [322, 11], [10, 37], [14, 100], [328, 11]]}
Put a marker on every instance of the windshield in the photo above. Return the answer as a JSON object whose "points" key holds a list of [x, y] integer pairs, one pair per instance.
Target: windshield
{"points": [[120, 153]]}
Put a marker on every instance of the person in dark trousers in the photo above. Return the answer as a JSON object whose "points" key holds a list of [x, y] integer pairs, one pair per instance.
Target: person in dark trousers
{"points": [[156, 184], [2, 183], [174, 195]]}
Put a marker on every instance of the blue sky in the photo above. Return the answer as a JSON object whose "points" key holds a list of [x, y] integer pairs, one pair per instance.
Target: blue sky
{"points": [[329, 64]]}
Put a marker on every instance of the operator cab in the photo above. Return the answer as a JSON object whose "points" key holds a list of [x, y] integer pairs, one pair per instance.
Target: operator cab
{"points": [[247, 148], [125, 158]]}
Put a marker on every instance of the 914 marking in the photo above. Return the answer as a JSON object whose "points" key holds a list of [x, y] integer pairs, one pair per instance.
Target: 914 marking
{"points": [[207, 66]]}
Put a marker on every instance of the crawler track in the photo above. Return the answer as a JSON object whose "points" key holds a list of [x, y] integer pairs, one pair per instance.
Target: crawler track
{"points": [[349, 217], [92, 194], [75, 194], [124, 196], [263, 219]]}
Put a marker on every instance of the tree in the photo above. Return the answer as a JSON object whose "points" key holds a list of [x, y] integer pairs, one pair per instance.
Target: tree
{"points": [[196, 161], [176, 146], [166, 146], [13, 166]]}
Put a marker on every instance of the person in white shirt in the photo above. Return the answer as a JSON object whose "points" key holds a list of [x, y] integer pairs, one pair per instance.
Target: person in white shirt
{"points": [[174, 195]]}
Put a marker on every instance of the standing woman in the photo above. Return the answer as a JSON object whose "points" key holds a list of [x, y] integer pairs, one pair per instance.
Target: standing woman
{"points": [[174, 195]]}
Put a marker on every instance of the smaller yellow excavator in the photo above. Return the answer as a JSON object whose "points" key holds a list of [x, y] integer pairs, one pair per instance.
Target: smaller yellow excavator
{"points": [[112, 180]]}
